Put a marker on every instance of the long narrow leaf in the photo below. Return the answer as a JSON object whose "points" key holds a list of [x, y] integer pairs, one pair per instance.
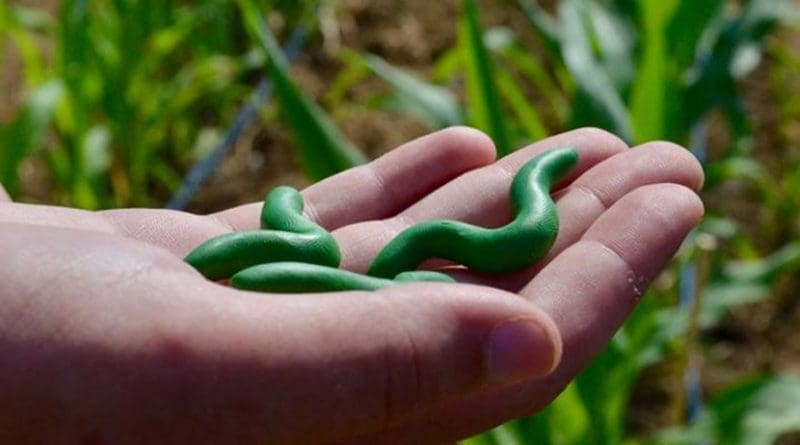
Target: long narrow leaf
{"points": [[756, 412], [543, 23], [598, 102], [435, 103], [691, 19], [527, 115], [485, 110], [648, 101], [615, 36], [527, 64], [26, 132], [322, 150]]}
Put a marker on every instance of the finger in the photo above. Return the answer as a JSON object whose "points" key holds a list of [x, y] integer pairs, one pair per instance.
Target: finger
{"points": [[388, 184], [597, 190], [585, 200], [588, 289], [479, 197], [4, 195], [390, 354]]}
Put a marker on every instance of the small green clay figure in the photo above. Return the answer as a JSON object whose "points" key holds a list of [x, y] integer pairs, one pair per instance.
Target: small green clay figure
{"points": [[292, 237], [294, 255], [506, 249]]}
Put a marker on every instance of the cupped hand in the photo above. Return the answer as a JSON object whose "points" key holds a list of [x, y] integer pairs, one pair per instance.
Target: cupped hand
{"points": [[106, 336]]}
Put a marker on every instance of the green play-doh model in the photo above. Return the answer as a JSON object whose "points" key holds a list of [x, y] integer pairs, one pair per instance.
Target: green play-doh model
{"points": [[294, 255]]}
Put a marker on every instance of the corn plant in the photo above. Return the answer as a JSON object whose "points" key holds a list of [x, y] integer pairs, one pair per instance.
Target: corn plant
{"points": [[126, 95]]}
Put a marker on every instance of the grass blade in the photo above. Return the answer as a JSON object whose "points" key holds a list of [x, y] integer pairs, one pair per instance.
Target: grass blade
{"points": [[527, 116], [615, 39], [485, 110], [544, 24], [436, 104], [322, 150], [648, 99], [691, 19], [598, 102], [26, 132], [527, 64]]}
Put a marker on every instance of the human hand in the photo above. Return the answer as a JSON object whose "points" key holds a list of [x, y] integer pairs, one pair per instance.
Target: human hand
{"points": [[107, 336]]}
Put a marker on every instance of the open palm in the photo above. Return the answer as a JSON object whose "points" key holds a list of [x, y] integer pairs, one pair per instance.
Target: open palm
{"points": [[106, 336]]}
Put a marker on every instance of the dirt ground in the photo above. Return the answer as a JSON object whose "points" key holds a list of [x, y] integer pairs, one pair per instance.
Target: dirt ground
{"points": [[414, 33]]}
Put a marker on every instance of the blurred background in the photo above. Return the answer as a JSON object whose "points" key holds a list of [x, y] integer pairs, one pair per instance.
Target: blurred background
{"points": [[204, 105]]}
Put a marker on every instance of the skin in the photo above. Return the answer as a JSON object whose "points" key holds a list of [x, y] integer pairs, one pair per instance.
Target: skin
{"points": [[107, 336]]}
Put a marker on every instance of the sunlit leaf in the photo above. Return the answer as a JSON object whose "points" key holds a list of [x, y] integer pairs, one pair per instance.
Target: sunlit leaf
{"points": [[691, 19], [322, 150], [649, 97], [485, 110], [523, 108], [436, 104], [26, 132], [759, 412], [598, 102]]}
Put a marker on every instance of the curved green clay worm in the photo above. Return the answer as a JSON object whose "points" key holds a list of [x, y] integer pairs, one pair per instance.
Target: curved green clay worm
{"points": [[292, 238], [506, 249], [288, 277], [297, 255]]}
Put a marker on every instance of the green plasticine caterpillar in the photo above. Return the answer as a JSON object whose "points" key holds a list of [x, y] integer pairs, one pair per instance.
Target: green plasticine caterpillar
{"points": [[510, 248], [295, 255], [291, 237]]}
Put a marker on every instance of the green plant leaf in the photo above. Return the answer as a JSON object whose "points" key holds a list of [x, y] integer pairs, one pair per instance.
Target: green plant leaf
{"points": [[543, 23], [692, 18], [522, 60], [435, 104], [568, 418], [526, 114], [322, 150], [485, 109], [765, 269], [26, 132], [597, 102], [649, 97], [758, 412], [615, 38]]}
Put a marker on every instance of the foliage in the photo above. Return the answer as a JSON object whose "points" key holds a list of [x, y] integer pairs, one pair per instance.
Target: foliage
{"points": [[754, 412], [127, 93]]}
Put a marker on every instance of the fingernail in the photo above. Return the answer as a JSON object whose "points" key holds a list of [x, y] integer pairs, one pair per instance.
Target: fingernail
{"points": [[519, 349]]}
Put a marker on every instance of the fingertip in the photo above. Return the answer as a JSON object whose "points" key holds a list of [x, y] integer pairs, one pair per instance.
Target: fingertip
{"points": [[605, 142], [678, 157], [695, 208], [680, 199], [592, 146], [648, 225], [468, 142]]}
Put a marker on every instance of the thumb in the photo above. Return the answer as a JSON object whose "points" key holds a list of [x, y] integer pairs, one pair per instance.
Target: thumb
{"points": [[337, 365]]}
